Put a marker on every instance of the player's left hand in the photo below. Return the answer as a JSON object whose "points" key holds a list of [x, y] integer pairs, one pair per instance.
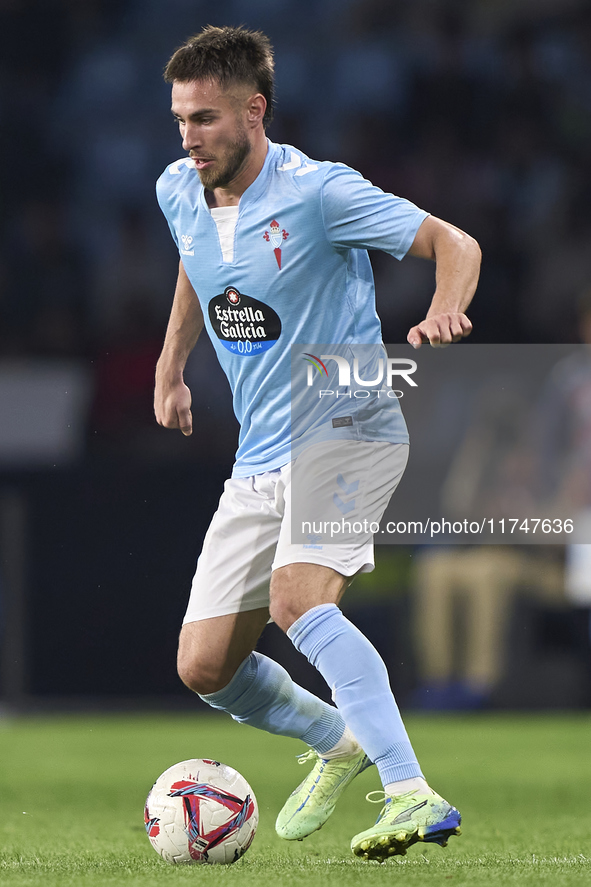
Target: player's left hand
{"points": [[440, 330]]}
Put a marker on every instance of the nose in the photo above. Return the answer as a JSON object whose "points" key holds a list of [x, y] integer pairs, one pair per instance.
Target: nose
{"points": [[191, 137]]}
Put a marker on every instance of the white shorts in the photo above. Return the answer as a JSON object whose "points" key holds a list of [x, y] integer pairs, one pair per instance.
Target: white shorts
{"points": [[250, 534]]}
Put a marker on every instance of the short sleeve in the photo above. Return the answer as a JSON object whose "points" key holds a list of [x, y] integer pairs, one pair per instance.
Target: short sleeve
{"points": [[358, 215], [173, 232], [161, 196]]}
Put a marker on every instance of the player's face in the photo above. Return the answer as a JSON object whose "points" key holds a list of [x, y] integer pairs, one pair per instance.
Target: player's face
{"points": [[212, 125]]}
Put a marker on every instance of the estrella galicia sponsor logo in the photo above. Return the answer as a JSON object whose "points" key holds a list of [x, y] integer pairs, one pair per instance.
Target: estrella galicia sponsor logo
{"points": [[242, 324]]}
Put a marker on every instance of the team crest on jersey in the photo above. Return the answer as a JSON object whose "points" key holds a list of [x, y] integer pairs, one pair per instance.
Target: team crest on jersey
{"points": [[275, 236]]}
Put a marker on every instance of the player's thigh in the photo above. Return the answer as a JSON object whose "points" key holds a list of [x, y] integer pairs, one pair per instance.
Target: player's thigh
{"points": [[328, 483], [234, 567], [297, 588], [211, 650], [341, 489]]}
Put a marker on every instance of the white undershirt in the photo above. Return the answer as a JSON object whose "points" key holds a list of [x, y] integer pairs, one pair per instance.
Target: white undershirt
{"points": [[225, 218]]}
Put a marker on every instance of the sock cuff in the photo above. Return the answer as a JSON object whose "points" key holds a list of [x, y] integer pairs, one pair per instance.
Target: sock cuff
{"points": [[398, 762], [245, 674], [324, 734], [310, 628]]}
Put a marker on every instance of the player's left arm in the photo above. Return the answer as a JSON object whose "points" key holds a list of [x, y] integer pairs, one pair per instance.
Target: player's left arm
{"points": [[457, 267]]}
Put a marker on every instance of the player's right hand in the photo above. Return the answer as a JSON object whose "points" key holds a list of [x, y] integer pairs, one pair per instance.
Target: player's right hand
{"points": [[172, 406], [440, 330]]}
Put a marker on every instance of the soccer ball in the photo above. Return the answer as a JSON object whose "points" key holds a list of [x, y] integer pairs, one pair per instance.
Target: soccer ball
{"points": [[201, 811]]}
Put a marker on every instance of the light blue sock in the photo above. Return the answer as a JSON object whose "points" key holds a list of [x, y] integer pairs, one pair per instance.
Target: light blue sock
{"points": [[262, 694], [355, 672]]}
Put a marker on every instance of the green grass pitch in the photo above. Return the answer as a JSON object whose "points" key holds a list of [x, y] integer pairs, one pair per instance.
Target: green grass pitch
{"points": [[72, 791]]}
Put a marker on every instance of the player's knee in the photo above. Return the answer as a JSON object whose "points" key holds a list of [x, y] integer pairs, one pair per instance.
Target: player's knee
{"points": [[284, 612], [199, 675], [189, 672]]}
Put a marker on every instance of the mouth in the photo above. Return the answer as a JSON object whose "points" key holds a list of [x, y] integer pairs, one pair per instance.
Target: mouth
{"points": [[202, 162]]}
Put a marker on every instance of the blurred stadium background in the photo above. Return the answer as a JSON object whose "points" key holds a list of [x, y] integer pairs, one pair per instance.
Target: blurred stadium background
{"points": [[480, 112]]}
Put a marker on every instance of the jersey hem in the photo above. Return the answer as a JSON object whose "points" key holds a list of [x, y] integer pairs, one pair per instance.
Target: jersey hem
{"points": [[239, 470]]}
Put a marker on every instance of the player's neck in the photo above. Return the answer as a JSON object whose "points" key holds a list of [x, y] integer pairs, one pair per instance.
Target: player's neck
{"points": [[230, 195]]}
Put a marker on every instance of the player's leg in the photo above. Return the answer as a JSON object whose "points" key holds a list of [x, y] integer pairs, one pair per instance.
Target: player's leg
{"points": [[304, 597], [212, 650], [227, 612], [304, 601], [216, 661], [355, 671]]}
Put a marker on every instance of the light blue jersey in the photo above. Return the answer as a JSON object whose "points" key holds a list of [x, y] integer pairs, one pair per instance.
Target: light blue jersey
{"points": [[300, 274]]}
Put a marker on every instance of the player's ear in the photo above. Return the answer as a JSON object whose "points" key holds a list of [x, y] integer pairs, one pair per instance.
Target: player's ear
{"points": [[256, 107]]}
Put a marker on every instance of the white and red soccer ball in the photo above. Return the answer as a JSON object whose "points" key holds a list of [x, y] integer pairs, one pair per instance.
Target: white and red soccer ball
{"points": [[201, 811]]}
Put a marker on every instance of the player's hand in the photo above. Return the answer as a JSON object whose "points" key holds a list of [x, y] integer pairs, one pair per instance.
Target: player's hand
{"points": [[440, 330], [172, 405]]}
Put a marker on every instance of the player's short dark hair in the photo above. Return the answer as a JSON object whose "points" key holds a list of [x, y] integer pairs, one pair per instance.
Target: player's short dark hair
{"points": [[226, 55]]}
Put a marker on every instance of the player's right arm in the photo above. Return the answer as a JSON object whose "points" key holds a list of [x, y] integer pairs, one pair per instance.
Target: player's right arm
{"points": [[172, 398]]}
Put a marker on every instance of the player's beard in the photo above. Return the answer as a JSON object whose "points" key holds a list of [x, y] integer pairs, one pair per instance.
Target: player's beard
{"points": [[224, 171]]}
